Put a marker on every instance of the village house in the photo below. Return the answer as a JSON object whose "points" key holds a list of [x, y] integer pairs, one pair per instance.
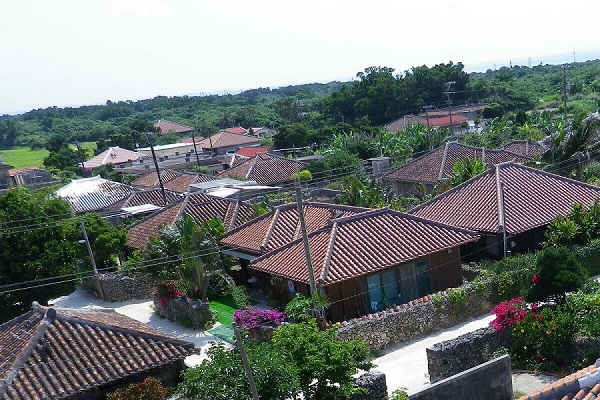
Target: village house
{"points": [[510, 205], [199, 206], [363, 259], [227, 142], [115, 156], [265, 169], [94, 194], [179, 182], [166, 127], [67, 354], [436, 166]]}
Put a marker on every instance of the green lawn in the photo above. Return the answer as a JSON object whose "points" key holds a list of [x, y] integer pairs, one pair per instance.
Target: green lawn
{"points": [[224, 308], [23, 157]]}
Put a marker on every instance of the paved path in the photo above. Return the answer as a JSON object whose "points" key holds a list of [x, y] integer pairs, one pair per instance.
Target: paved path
{"points": [[406, 365]]}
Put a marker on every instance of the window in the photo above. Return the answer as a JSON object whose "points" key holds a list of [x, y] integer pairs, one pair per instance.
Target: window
{"points": [[398, 285]]}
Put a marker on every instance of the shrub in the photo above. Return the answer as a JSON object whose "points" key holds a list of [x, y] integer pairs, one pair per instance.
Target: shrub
{"points": [[586, 312], [508, 313], [559, 273], [148, 389], [252, 318], [219, 285], [510, 277], [301, 305], [589, 256], [240, 297], [542, 340], [457, 298], [167, 290]]}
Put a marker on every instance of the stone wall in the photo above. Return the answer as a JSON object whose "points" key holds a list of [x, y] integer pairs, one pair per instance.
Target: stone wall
{"points": [[193, 313], [416, 318], [451, 357], [490, 381], [375, 383], [119, 288]]}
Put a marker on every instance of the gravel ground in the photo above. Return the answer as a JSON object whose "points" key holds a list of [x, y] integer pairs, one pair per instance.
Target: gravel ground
{"points": [[527, 383]]}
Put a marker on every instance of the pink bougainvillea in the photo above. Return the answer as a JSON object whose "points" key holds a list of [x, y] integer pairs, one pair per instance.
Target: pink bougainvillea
{"points": [[252, 318], [167, 291], [508, 313], [535, 279]]}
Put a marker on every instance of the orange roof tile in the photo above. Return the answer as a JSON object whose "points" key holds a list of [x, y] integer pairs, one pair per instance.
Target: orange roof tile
{"points": [[228, 139], [532, 198], [168, 127], [265, 169], [362, 244]]}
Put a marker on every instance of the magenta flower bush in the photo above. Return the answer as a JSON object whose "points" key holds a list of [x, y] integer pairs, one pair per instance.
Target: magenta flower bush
{"points": [[252, 318], [167, 291], [509, 313]]}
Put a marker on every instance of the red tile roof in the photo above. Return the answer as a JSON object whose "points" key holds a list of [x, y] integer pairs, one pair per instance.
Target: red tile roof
{"points": [[583, 384], [526, 148], [115, 156], [238, 130], [178, 182], [437, 165], [172, 127], [281, 226], [251, 151], [198, 205], [61, 353], [362, 244], [265, 169], [445, 121], [228, 139], [532, 198]]}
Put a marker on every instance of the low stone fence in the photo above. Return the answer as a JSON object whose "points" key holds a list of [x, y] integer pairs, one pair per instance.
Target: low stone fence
{"points": [[119, 288], [193, 313], [375, 383], [451, 357], [418, 317]]}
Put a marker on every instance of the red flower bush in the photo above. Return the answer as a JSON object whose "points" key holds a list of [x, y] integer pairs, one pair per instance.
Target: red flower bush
{"points": [[508, 313], [166, 291], [252, 318], [535, 279]]}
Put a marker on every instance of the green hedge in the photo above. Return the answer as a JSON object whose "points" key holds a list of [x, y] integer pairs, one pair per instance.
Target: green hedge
{"points": [[589, 256]]}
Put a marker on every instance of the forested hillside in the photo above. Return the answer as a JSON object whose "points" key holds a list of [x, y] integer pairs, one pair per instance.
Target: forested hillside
{"points": [[314, 113]]}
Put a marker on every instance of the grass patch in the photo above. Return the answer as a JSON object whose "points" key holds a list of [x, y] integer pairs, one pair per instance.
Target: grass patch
{"points": [[224, 307], [24, 157]]}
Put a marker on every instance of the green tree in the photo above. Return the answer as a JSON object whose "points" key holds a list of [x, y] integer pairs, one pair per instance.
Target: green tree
{"points": [[107, 241], [462, 171], [37, 246], [559, 272], [325, 363], [221, 376], [148, 389]]}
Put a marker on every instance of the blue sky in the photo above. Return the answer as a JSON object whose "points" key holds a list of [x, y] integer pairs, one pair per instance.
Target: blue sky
{"points": [[76, 52]]}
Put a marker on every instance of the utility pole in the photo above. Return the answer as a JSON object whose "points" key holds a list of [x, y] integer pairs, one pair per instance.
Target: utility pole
{"points": [[311, 271], [449, 101], [81, 158], [565, 66], [247, 369], [428, 125], [160, 182], [195, 149], [94, 267]]}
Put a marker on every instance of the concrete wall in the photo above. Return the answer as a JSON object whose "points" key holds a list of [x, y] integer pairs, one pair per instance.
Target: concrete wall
{"points": [[490, 381], [451, 357], [416, 318]]}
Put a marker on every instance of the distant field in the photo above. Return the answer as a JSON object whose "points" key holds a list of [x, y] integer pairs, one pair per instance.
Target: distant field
{"points": [[23, 157]]}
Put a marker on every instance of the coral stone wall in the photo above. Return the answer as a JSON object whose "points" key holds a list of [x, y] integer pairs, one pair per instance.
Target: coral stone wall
{"points": [[118, 288], [375, 383], [416, 318], [193, 313], [451, 357]]}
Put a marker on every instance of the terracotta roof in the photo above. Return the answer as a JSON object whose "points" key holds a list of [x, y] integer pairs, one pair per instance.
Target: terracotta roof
{"points": [[168, 126], [238, 130], [437, 165], [149, 196], [583, 384], [198, 205], [114, 156], [94, 194], [444, 121], [281, 226], [401, 123], [252, 151], [228, 139], [265, 169], [362, 244], [532, 198], [526, 148], [20, 171], [58, 353], [178, 182]]}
